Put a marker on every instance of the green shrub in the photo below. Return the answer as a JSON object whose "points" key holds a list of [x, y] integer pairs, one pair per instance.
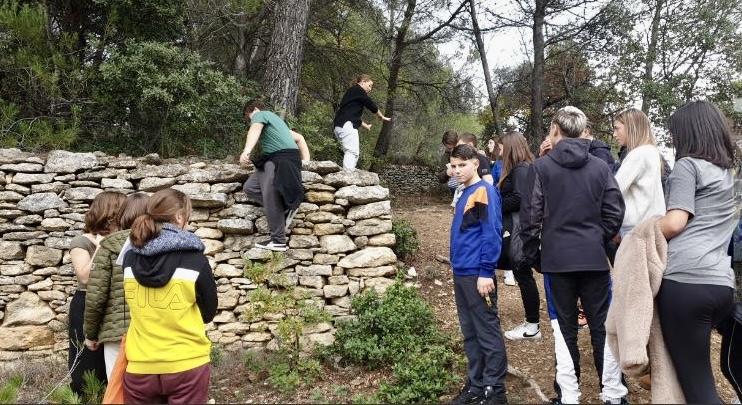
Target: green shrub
{"points": [[406, 238], [283, 370], [421, 378], [92, 388], [216, 356], [9, 390], [64, 395]]}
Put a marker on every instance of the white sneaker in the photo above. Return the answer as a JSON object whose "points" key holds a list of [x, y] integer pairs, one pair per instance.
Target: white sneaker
{"points": [[526, 330], [276, 247], [509, 278]]}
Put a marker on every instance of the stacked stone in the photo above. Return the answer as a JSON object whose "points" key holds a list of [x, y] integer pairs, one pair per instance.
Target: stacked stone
{"points": [[410, 179], [339, 244]]}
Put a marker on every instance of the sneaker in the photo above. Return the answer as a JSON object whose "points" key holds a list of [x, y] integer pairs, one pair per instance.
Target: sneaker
{"points": [[555, 401], [509, 277], [492, 397], [274, 246], [467, 396], [621, 401], [290, 214], [526, 330]]}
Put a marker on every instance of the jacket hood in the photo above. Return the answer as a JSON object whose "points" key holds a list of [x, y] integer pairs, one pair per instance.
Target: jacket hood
{"points": [[598, 144], [151, 265], [115, 241], [571, 152]]}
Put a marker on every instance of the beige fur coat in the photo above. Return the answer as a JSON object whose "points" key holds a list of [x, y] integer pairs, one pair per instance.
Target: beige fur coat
{"points": [[633, 326]]}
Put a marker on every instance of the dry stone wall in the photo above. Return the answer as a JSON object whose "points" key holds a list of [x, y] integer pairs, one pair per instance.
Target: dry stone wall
{"points": [[340, 243], [410, 179]]}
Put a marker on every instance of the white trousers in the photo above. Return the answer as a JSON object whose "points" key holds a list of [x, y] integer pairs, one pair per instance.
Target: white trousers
{"points": [[348, 137], [110, 354]]}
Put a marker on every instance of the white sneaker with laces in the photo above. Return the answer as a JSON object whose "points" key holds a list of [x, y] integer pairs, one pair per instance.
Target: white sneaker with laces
{"points": [[276, 247], [526, 330], [509, 278]]}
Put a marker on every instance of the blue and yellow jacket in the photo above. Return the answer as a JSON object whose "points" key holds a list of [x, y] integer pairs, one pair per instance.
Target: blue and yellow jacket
{"points": [[476, 231]]}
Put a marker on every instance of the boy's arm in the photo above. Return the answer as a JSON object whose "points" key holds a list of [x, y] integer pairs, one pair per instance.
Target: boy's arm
{"points": [[491, 226], [302, 144], [206, 296], [531, 218], [253, 134]]}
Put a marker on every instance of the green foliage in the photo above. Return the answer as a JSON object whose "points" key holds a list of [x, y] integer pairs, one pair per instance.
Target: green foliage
{"points": [[406, 238], [216, 355], [147, 20], [9, 390], [283, 370], [92, 388], [398, 329], [168, 100], [315, 123], [64, 395]]}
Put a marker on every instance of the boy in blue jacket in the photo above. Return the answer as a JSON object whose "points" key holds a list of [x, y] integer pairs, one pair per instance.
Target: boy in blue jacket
{"points": [[476, 242]]}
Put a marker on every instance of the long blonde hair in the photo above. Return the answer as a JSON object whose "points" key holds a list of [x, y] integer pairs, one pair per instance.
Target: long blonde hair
{"points": [[637, 126], [514, 151]]}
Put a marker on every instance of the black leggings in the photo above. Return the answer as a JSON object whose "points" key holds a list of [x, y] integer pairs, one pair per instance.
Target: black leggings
{"points": [[86, 360], [688, 313], [731, 352], [529, 293]]}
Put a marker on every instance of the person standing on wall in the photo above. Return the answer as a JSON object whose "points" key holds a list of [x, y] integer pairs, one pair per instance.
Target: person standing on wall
{"points": [[348, 118]]}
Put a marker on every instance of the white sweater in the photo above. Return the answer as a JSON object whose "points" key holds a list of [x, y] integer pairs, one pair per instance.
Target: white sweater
{"points": [[640, 181]]}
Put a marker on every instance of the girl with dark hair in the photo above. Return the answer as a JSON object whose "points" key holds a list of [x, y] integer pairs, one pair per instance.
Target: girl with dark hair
{"points": [[106, 313], [494, 153], [171, 294], [513, 182], [100, 220], [348, 118], [697, 290]]}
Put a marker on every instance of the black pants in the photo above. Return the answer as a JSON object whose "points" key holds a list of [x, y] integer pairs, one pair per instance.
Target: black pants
{"points": [[483, 341], [86, 360], [731, 352], [688, 313], [528, 293]]}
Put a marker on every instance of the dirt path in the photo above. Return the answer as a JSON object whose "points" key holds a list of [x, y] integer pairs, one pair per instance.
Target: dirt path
{"points": [[431, 217]]}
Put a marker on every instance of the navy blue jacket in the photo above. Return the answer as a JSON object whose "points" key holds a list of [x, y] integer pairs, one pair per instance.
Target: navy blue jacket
{"points": [[573, 201]]}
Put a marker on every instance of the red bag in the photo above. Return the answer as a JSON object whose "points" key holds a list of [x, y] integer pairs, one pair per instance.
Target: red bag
{"points": [[115, 390]]}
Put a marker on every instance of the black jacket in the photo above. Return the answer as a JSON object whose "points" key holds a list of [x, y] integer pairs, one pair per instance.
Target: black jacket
{"points": [[513, 188], [351, 107], [287, 179], [574, 203], [601, 150]]}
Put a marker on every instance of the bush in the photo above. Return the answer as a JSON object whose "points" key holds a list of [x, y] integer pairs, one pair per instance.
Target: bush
{"points": [[398, 329], [406, 239], [9, 390], [282, 370]]}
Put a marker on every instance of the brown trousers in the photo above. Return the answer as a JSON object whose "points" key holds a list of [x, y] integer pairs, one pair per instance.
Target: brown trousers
{"points": [[187, 387]]}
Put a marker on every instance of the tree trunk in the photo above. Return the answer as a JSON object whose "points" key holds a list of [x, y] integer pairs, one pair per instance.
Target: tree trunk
{"points": [[285, 53], [647, 94], [395, 65], [537, 75], [485, 66]]}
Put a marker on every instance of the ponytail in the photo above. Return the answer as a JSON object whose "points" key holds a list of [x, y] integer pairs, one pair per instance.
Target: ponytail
{"points": [[143, 230], [162, 207]]}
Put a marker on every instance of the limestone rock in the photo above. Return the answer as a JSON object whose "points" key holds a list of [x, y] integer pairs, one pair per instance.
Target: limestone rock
{"points": [[123, 164], [56, 187], [15, 269], [334, 291], [44, 284], [382, 271], [312, 281], [27, 178], [334, 208], [25, 236], [300, 254], [319, 197], [209, 233], [307, 207], [328, 229], [193, 188], [209, 200], [212, 246], [320, 217], [352, 177], [379, 284], [12, 155], [225, 317], [11, 213], [52, 295], [322, 167], [334, 244], [322, 258], [362, 195], [228, 300], [11, 196], [82, 193], [317, 328], [385, 239], [28, 309], [318, 187], [370, 210], [62, 243], [227, 270], [337, 280], [60, 161], [257, 337], [11, 251], [117, 184], [369, 227], [173, 170], [42, 256], [369, 257], [155, 183], [246, 211], [54, 224], [236, 226], [261, 225], [25, 337], [314, 270], [361, 241], [108, 173], [303, 241], [259, 254], [225, 187], [310, 177], [22, 167], [226, 173]]}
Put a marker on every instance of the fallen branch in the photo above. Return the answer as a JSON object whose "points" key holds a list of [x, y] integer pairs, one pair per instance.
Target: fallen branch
{"points": [[528, 381], [442, 259]]}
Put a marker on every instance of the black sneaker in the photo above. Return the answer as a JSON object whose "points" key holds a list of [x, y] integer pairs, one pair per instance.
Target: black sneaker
{"points": [[467, 396], [490, 396]]}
